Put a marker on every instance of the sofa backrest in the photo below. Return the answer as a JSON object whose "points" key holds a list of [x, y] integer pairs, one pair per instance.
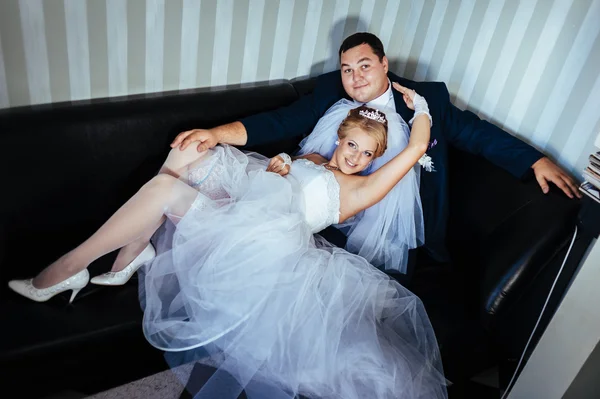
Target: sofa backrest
{"points": [[67, 167]]}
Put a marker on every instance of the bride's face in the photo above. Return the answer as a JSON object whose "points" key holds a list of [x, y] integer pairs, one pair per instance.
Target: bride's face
{"points": [[355, 152]]}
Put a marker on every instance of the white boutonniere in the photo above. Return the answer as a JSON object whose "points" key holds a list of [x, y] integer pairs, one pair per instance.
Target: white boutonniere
{"points": [[426, 162]]}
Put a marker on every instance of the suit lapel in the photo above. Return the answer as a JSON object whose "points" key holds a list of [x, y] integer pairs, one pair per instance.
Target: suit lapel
{"points": [[405, 112], [401, 108]]}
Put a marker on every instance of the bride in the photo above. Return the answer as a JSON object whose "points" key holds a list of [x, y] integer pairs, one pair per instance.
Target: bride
{"points": [[240, 274]]}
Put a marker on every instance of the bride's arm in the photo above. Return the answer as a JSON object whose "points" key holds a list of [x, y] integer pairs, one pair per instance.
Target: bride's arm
{"points": [[366, 191], [278, 165]]}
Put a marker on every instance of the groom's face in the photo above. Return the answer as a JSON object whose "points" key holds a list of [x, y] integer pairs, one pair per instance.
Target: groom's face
{"points": [[364, 76]]}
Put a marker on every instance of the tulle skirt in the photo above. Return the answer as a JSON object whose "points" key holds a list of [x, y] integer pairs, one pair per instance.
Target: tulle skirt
{"points": [[241, 278]]}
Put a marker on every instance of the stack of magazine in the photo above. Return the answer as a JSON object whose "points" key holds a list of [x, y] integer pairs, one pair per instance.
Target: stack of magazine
{"points": [[591, 174]]}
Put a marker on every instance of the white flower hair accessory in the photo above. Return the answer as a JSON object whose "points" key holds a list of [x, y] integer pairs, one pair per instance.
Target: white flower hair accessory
{"points": [[374, 115]]}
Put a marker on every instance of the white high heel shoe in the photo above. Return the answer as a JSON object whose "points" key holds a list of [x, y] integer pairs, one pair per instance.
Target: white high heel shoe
{"points": [[76, 282], [123, 276]]}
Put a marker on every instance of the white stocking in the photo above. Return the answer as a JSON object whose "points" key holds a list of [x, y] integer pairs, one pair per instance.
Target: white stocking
{"points": [[178, 162], [177, 165], [138, 219]]}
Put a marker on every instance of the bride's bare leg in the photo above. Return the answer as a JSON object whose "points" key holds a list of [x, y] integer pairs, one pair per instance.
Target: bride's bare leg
{"points": [[135, 221], [178, 162]]}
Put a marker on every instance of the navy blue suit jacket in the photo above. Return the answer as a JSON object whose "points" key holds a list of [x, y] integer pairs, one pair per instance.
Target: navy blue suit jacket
{"points": [[462, 129]]}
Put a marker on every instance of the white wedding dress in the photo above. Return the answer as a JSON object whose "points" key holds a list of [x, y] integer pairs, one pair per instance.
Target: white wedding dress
{"points": [[277, 308]]}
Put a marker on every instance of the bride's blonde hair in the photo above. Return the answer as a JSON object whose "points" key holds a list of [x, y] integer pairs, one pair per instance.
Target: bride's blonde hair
{"points": [[369, 120]]}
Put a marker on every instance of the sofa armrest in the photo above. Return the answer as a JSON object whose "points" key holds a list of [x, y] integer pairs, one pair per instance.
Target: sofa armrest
{"points": [[503, 231], [519, 249]]}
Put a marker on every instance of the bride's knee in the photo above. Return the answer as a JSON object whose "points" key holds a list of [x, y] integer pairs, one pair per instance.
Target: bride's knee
{"points": [[162, 181], [178, 159]]}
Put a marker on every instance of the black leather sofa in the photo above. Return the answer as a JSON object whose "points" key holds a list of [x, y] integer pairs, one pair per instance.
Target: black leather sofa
{"points": [[66, 167]]}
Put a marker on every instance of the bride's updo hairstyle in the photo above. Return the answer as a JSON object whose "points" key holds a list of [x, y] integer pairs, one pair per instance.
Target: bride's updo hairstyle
{"points": [[369, 120]]}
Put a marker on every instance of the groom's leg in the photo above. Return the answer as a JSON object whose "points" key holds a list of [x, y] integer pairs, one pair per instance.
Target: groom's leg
{"points": [[334, 236], [405, 278]]}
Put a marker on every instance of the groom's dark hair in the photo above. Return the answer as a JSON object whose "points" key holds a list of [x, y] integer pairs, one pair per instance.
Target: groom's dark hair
{"points": [[363, 38]]}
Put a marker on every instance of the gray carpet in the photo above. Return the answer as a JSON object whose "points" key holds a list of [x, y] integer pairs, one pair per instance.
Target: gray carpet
{"points": [[168, 384]]}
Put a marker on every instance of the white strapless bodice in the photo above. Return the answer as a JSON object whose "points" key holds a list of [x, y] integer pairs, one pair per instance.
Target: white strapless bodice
{"points": [[321, 194]]}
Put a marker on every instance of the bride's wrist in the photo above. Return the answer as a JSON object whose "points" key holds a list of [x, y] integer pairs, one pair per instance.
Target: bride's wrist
{"points": [[421, 108], [287, 160]]}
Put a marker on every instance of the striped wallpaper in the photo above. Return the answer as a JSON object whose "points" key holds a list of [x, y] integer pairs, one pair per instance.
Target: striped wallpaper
{"points": [[530, 66]]}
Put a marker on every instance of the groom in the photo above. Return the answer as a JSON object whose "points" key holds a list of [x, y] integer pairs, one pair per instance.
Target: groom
{"points": [[364, 77]]}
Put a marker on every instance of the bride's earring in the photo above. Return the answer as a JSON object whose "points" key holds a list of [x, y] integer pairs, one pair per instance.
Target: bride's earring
{"points": [[337, 142]]}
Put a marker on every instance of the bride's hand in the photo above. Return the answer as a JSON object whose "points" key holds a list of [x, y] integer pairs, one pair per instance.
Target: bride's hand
{"points": [[407, 94], [277, 165]]}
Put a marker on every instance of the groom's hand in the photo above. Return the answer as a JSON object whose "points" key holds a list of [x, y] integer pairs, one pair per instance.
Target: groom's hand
{"points": [[547, 171], [205, 138], [233, 133]]}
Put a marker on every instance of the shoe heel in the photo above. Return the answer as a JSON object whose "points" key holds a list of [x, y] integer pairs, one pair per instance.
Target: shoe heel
{"points": [[73, 294]]}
